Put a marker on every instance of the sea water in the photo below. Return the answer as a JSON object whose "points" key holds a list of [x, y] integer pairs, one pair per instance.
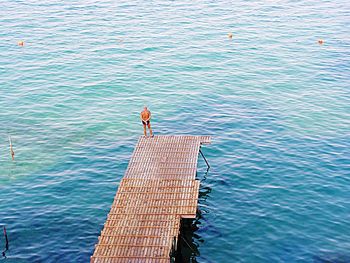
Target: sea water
{"points": [[274, 100]]}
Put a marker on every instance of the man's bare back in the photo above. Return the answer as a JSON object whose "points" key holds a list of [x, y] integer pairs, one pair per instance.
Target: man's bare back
{"points": [[146, 120]]}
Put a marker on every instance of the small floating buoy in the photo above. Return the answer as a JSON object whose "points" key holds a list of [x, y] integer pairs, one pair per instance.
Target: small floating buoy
{"points": [[21, 43], [320, 41], [230, 35]]}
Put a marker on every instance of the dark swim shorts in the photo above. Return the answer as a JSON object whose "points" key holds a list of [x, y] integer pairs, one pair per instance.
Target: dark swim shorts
{"points": [[145, 122]]}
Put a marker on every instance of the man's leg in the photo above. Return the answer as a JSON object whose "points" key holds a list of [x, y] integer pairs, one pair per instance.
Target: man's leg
{"points": [[144, 130], [150, 129]]}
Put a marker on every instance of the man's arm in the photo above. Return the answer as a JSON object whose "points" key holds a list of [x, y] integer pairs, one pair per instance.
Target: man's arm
{"points": [[149, 116]]}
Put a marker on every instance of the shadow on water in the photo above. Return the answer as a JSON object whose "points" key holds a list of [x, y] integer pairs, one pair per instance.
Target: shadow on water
{"points": [[332, 258], [188, 241]]}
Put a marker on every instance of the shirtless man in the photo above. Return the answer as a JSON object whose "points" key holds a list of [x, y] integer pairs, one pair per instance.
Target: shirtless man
{"points": [[145, 118]]}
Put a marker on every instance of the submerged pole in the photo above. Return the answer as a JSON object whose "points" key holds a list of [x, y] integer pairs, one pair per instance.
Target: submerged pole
{"points": [[204, 158], [6, 243], [11, 149]]}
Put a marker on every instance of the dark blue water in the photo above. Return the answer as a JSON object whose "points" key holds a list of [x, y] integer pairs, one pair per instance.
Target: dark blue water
{"points": [[275, 101]]}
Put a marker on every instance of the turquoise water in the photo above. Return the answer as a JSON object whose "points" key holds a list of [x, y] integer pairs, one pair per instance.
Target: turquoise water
{"points": [[275, 101]]}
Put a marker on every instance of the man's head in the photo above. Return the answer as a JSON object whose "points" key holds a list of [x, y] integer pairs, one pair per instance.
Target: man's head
{"points": [[145, 108]]}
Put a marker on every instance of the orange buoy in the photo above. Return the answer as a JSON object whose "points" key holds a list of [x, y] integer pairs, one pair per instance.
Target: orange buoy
{"points": [[21, 43], [320, 41], [230, 35]]}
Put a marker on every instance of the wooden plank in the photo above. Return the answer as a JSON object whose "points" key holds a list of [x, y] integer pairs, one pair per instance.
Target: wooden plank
{"points": [[158, 188]]}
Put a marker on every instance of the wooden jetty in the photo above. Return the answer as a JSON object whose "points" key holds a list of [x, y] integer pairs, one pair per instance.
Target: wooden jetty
{"points": [[158, 189]]}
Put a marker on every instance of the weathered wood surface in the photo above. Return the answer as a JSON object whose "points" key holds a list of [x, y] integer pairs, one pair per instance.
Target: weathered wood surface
{"points": [[157, 190]]}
